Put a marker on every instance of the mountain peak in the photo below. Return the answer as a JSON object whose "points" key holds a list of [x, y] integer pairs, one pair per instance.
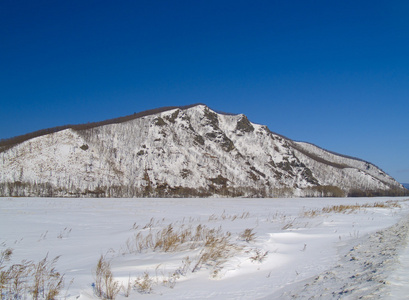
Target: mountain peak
{"points": [[181, 151]]}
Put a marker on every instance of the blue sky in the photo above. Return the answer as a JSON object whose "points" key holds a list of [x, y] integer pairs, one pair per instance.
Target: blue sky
{"points": [[333, 73]]}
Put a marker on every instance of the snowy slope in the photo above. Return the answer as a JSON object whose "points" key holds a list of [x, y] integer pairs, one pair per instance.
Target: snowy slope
{"points": [[182, 152]]}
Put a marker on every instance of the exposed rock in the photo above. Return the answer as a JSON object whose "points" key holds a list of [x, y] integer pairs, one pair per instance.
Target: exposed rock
{"points": [[244, 125], [179, 152]]}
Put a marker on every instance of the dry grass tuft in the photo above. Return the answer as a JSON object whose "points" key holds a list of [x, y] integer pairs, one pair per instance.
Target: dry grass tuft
{"points": [[170, 239], [347, 209], [41, 280], [217, 248], [213, 245], [46, 278], [144, 284], [213, 248], [105, 285], [225, 216], [258, 256], [288, 225], [247, 235]]}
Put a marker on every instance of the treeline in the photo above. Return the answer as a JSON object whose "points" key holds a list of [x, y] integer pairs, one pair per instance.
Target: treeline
{"points": [[334, 153], [25, 189], [318, 158], [393, 192], [324, 191], [8, 143]]}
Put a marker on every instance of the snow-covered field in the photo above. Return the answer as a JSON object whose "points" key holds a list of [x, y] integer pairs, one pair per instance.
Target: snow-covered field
{"points": [[292, 248]]}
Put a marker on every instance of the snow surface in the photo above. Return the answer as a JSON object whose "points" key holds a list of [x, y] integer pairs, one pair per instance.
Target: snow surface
{"points": [[329, 255]]}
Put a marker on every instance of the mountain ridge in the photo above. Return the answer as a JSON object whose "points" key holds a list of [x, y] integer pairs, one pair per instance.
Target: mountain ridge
{"points": [[9, 142], [181, 151], [12, 141]]}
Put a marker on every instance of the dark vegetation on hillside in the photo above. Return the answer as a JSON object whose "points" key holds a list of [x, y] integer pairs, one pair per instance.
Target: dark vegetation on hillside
{"points": [[10, 142], [218, 187]]}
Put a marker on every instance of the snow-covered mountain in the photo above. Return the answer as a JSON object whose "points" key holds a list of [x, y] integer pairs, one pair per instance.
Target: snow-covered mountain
{"points": [[187, 151]]}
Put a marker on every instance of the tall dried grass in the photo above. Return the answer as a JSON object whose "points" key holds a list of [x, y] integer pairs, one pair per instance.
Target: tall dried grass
{"points": [[213, 246], [40, 280], [347, 209], [105, 285]]}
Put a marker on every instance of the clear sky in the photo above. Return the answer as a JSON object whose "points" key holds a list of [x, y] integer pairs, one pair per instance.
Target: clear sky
{"points": [[333, 73]]}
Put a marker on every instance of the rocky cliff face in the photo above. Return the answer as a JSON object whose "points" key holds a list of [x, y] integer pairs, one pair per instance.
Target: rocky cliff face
{"points": [[190, 151]]}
